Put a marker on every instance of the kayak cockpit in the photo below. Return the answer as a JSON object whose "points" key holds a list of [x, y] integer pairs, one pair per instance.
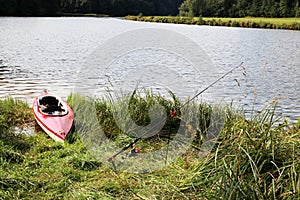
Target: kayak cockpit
{"points": [[52, 105]]}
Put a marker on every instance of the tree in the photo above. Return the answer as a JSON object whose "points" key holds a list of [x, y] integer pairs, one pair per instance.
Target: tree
{"points": [[210, 8], [242, 8], [255, 8], [227, 6], [184, 8], [8, 7], [274, 10], [198, 7], [283, 8], [297, 9]]}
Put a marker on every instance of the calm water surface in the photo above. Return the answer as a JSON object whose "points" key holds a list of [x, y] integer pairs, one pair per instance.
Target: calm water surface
{"points": [[48, 53]]}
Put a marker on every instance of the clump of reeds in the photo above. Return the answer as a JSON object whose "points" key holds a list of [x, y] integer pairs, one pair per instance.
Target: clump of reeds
{"points": [[130, 115], [253, 159]]}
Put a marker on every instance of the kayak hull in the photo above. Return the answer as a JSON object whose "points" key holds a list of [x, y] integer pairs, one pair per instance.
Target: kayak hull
{"points": [[57, 124]]}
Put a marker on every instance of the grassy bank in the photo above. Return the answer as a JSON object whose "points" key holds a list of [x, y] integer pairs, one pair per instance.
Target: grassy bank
{"points": [[82, 15], [248, 22], [252, 159]]}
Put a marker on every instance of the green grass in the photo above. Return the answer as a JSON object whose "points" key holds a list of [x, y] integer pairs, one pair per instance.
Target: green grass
{"points": [[247, 22], [14, 113], [83, 15], [253, 159], [277, 21]]}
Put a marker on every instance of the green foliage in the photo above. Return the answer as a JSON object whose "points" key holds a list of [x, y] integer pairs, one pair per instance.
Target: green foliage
{"points": [[187, 8], [13, 113], [135, 109], [248, 22], [97, 7], [29, 7], [240, 8], [256, 158], [297, 9]]}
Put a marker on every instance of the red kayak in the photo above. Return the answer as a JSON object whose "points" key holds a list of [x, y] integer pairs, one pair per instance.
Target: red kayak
{"points": [[54, 115]]}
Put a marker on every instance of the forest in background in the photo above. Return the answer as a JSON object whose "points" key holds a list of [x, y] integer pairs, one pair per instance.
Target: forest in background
{"points": [[240, 8], [101, 7], [205, 8]]}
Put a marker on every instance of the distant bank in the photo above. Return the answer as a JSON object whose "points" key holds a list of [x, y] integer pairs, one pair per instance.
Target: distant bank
{"points": [[247, 22]]}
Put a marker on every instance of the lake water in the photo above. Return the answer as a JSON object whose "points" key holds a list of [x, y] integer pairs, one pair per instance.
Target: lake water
{"points": [[55, 54]]}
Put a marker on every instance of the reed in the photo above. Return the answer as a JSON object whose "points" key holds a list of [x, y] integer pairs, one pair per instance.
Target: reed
{"points": [[247, 22], [256, 158]]}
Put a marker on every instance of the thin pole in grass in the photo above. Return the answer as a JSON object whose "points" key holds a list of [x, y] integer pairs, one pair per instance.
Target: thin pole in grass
{"points": [[213, 83], [172, 114]]}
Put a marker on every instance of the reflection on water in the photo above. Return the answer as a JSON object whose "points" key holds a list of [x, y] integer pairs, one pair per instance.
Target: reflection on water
{"points": [[48, 53], [20, 84]]}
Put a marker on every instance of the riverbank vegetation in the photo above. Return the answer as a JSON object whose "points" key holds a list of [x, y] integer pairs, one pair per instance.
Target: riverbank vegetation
{"points": [[91, 7], [257, 158], [190, 8], [247, 22], [240, 8]]}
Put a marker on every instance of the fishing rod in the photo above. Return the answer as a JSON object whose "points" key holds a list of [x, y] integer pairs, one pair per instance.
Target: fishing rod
{"points": [[130, 145], [172, 113], [224, 75]]}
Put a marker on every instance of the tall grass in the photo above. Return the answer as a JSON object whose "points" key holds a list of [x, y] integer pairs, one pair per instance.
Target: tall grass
{"points": [[256, 158], [248, 22], [12, 113]]}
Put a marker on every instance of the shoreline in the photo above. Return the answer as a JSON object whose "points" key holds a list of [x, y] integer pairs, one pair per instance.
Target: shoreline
{"points": [[248, 22], [249, 153]]}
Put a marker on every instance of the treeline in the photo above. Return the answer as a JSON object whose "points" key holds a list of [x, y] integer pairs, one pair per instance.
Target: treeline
{"points": [[241, 8], [29, 7], [107, 7], [209, 8]]}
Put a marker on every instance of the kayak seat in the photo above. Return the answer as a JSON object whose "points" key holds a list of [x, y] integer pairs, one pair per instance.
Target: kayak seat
{"points": [[48, 100], [53, 108], [51, 103]]}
